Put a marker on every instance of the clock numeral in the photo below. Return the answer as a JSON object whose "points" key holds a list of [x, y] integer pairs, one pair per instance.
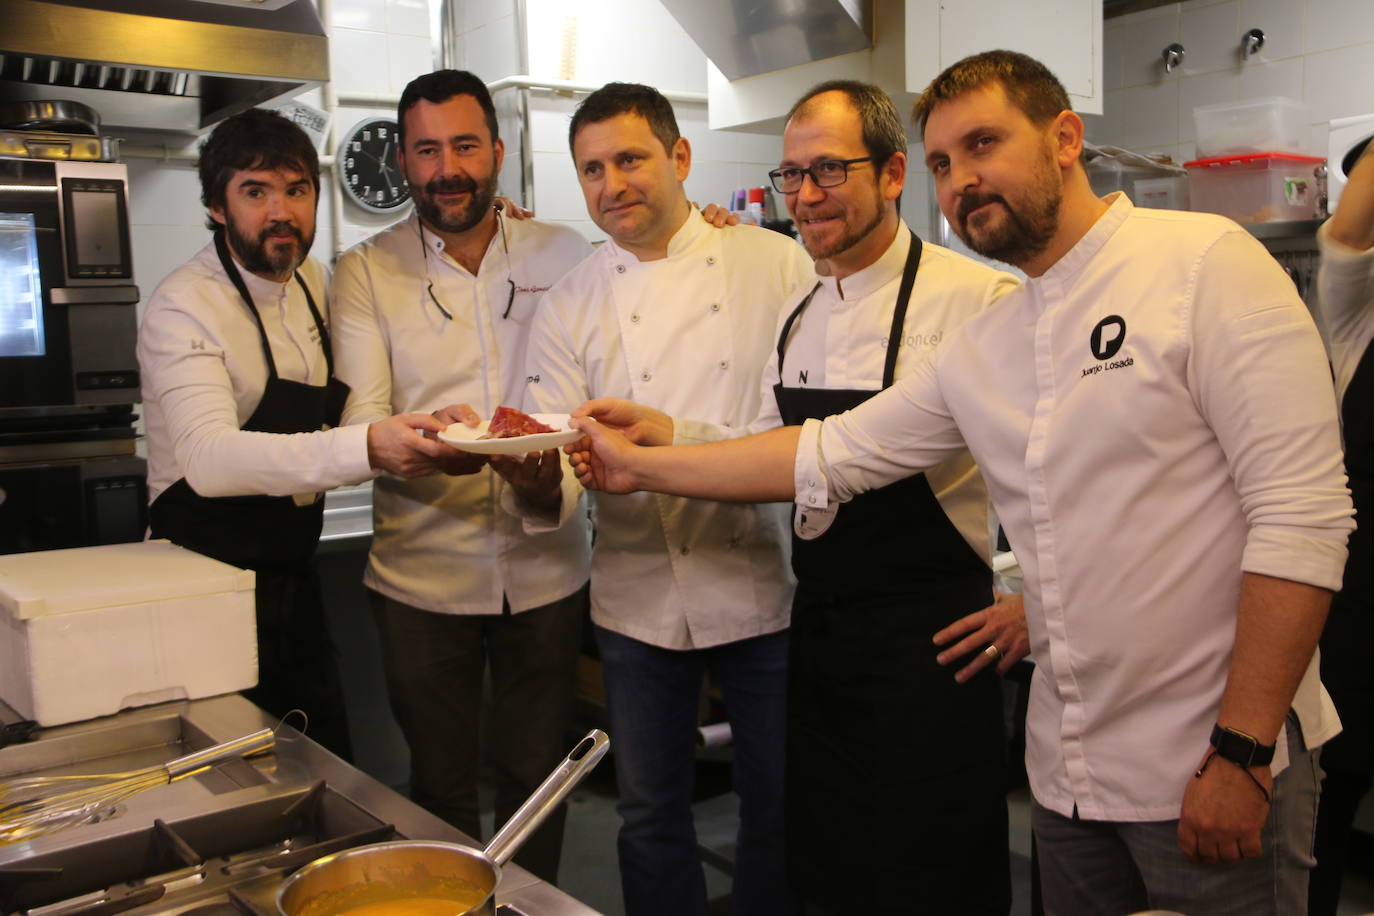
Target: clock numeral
{"points": [[357, 146], [353, 179], [348, 163], [367, 189], [381, 132], [367, 135], [381, 196]]}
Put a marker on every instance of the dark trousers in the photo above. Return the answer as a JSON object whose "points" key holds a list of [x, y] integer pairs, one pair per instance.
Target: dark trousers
{"points": [[1342, 791], [653, 696], [434, 667]]}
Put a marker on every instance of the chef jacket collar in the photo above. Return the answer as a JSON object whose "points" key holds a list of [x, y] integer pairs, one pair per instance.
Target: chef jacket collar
{"points": [[436, 244], [1063, 272], [261, 289], [687, 236], [865, 282]]}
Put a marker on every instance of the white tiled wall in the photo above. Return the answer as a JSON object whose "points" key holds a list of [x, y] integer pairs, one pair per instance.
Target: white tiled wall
{"points": [[1319, 52]]}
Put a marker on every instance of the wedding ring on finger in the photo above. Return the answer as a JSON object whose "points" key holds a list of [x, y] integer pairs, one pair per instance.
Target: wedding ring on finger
{"points": [[993, 652]]}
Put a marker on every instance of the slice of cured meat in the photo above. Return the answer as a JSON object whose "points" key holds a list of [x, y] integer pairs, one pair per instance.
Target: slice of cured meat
{"points": [[508, 422]]}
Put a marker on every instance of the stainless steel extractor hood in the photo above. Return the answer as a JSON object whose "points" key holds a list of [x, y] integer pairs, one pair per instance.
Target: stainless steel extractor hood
{"points": [[178, 65], [748, 37]]}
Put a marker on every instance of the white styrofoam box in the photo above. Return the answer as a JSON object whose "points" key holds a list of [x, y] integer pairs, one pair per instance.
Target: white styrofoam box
{"points": [[89, 631]]}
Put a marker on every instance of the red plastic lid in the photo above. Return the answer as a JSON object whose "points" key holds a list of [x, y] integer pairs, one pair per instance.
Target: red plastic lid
{"points": [[756, 195], [1247, 158]]}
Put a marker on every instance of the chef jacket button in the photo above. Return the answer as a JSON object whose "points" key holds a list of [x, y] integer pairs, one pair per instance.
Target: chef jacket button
{"points": [[715, 306], [686, 550], [811, 483], [645, 376], [710, 261], [725, 364], [634, 319], [811, 500], [620, 268]]}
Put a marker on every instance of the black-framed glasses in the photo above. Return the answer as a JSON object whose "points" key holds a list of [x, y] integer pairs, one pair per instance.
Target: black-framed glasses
{"points": [[429, 281], [827, 173]]}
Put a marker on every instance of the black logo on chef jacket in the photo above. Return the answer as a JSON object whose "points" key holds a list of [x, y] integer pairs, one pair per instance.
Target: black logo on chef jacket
{"points": [[1108, 337]]}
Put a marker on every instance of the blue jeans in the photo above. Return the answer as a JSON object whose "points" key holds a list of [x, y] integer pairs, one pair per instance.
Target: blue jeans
{"points": [[1109, 868], [653, 696]]}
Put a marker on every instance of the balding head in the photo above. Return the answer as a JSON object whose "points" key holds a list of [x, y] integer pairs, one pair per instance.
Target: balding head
{"points": [[878, 118]]}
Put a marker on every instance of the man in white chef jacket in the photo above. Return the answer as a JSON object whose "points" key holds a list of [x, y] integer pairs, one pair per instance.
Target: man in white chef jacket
{"points": [[1154, 418], [898, 564], [434, 313], [674, 313], [241, 406]]}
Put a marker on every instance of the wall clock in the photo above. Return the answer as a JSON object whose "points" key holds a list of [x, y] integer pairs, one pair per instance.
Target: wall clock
{"points": [[366, 166]]}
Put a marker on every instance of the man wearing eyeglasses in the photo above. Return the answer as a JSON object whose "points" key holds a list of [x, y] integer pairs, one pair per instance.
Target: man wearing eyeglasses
{"points": [[673, 312], [434, 313], [880, 737]]}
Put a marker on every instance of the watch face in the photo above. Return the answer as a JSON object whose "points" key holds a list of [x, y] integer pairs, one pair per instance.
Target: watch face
{"points": [[366, 166]]}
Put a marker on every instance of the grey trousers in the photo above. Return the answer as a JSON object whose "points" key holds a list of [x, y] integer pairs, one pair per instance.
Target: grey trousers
{"points": [[1112, 868], [434, 666]]}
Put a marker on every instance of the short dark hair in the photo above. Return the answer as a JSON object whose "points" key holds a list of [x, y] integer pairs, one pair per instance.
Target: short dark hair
{"points": [[615, 99], [1029, 85], [440, 86], [255, 139], [883, 134]]}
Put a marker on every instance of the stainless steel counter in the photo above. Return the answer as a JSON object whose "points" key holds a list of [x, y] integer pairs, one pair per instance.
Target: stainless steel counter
{"points": [[231, 799]]}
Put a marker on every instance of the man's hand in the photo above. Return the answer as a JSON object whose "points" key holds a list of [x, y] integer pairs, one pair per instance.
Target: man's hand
{"points": [[641, 425], [1002, 624], [602, 458], [535, 476], [456, 462], [403, 445], [719, 216], [1223, 812]]}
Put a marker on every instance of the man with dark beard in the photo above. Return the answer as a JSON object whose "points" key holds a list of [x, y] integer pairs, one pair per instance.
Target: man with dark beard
{"points": [[241, 403], [433, 314], [1153, 414]]}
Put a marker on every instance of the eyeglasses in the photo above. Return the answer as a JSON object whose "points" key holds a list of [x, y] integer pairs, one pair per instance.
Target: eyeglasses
{"points": [[827, 173], [429, 281]]}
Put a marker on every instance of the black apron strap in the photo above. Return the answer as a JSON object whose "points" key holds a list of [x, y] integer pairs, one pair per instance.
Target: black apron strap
{"points": [[791, 320], [894, 340]]}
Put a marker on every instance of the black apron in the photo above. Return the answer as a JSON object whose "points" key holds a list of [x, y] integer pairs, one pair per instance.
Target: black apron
{"points": [[896, 774], [1345, 667], [275, 537]]}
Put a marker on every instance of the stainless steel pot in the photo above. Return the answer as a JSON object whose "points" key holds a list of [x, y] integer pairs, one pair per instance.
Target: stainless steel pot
{"points": [[57, 115], [408, 871]]}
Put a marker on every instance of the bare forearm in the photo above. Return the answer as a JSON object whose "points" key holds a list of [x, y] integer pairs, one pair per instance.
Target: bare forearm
{"points": [[1353, 222], [1277, 628], [751, 469]]}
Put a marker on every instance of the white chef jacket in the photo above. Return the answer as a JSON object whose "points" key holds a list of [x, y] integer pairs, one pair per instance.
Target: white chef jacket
{"points": [[688, 334], [203, 373], [444, 543], [840, 341], [1345, 305], [1138, 469]]}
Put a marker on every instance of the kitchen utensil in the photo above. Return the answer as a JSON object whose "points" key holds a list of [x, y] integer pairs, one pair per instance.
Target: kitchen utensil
{"points": [[35, 805], [59, 115], [462, 436], [412, 873]]}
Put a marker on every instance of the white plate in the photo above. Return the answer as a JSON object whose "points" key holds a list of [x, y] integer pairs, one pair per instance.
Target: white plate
{"points": [[462, 436]]}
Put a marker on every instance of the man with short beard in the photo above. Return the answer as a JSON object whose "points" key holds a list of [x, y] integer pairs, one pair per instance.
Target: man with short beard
{"points": [[242, 407], [1152, 411], [432, 314]]}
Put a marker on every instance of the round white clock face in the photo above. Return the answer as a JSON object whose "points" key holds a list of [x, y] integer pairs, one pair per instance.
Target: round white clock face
{"points": [[366, 166]]}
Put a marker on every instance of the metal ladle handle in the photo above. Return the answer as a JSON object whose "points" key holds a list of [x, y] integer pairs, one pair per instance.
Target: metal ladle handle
{"points": [[546, 798]]}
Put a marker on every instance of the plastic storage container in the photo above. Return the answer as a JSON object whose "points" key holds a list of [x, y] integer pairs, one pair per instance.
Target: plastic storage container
{"points": [[89, 631], [1255, 188], [1267, 125]]}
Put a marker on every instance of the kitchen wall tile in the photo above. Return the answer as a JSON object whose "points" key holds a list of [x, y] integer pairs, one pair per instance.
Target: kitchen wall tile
{"points": [[1117, 41], [1150, 116], [712, 182], [159, 250], [358, 60], [1141, 63], [707, 144], [358, 14], [557, 194], [492, 51], [407, 17], [477, 13], [1282, 24], [1211, 35], [1338, 24], [1340, 83], [752, 147], [1207, 89], [549, 118], [408, 56], [1281, 78], [164, 194], [1132, 20]]}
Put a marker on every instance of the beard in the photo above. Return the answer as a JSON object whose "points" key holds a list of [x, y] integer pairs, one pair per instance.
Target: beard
{"points": [[1027, 228], [461, 217], [273, 259], [851, 237]]}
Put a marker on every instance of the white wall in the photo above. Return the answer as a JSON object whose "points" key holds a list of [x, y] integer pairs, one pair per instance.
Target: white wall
{"points": [[1320, 52]]}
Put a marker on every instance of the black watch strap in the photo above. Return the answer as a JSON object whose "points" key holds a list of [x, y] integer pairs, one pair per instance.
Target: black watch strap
{"points": [[1240, 748]]}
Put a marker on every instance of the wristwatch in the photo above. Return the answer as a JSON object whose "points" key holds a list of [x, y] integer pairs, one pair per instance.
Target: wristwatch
{"points": [[1240, 748]]}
